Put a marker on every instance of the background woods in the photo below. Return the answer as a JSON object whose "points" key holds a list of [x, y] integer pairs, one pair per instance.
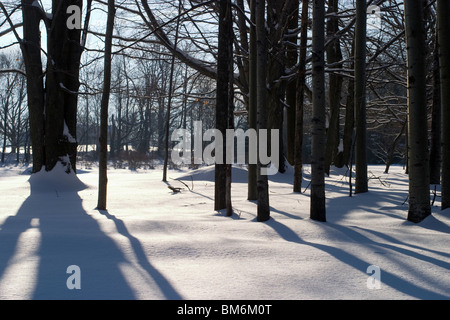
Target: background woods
{"points": [[347, 83]]}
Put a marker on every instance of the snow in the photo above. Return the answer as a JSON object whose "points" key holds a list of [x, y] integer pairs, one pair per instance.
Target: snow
{"points": [[66, 133], [153, 243]]}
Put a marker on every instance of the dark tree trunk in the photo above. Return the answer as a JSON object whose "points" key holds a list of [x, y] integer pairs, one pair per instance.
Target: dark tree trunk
{"points": [[349, 125], [252, 109], [291, 87], [224, 66], [298, 158], [53, 108], [436, 120], [103, 141], [31, 50], [361, 181], [419, 177], [169, 103], [318, 208], [444, 61], [64, 52], [263, 211], [334, 56]]}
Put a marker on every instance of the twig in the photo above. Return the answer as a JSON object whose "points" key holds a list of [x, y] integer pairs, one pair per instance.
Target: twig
{"points": [[378, 178], [185, 183], [174, 189], [307, 187], [405, 200]]}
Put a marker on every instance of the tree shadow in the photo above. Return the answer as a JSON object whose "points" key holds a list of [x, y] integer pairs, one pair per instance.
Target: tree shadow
{"points": [[391, 243], [166, 288], [67, 235], [388, 278]]}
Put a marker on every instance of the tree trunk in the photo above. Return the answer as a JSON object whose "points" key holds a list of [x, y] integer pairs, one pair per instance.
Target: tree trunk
{"points": [[444, 61], [361, 181], [169, 103], [276, 22], [5, 125], [393, 147], [53, 108], [349, 125], [224, 65], [334, 56], [113, 139], [230, 111], [263, 211], [318, 208], [62, 83], [298, 158], [31, 50], [253, 105], [103, 140], [436, 120], [419, 179], [291, 87]]}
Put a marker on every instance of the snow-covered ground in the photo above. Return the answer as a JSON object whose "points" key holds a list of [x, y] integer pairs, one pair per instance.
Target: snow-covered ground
{"points": [[156, 244]]}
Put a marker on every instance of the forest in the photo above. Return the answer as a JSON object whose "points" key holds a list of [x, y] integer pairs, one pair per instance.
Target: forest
{"points": [[158, 68], [323, 86]]}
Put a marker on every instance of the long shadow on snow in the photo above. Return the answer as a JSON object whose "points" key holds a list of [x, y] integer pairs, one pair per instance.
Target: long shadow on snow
{"points": [[164, 285], [68, 236], [238, 175], [388, 278], [390, 241]]}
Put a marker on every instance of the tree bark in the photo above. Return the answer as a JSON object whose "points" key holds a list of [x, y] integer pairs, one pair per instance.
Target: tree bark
{"points": [[62, 83], [224, 66], [334, 56], [31, 50], [318, 208], [277, 21], [436, 120], [443, 8], [291, 87], [349, 125], [103, 140], [419, 178], [253, 105], [169, 103], [53, 104], [263, 211], [361, 181], [301, 76]]}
